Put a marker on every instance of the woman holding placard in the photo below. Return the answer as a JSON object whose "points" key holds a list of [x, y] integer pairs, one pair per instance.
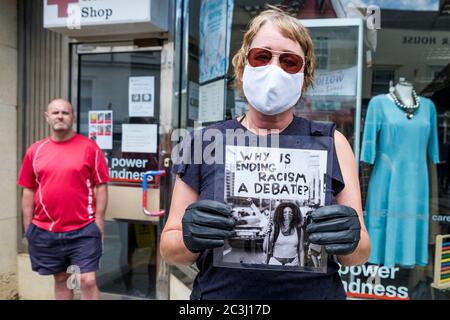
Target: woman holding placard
{"points": [[274, 66]]}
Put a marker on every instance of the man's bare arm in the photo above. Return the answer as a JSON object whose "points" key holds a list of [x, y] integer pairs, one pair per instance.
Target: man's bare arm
{"points": [[27, 206], [101, 202]]}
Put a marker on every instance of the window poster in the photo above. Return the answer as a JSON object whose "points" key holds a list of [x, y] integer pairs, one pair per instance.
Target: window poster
{"points": [[216, 17], [101, 128], [139, 138], [272, 192], [212, 101], [141, 96], [335, 83]]}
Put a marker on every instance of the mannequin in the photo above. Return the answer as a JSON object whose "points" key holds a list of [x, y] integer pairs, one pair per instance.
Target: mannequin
{"points": [[403, 90], [400, 131]]}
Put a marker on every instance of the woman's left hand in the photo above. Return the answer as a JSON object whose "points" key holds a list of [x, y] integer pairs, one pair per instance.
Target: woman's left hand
{"points": [[336, 227]]}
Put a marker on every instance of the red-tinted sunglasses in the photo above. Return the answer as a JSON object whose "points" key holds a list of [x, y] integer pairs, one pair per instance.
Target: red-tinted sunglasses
{"points": [[289, 62]]}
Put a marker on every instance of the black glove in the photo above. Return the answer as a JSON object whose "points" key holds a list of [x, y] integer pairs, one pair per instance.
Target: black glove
{"points": [[336, 227], [206, 224]]}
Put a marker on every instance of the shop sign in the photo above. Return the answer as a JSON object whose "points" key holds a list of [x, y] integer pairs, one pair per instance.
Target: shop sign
{"points": [[425, 40], [128, 169], [75, 14], [373, 282], [59, 13], [334, 83]]}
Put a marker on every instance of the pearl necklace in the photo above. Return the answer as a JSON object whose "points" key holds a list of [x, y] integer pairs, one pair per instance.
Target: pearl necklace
{"points": [[409, 109]]}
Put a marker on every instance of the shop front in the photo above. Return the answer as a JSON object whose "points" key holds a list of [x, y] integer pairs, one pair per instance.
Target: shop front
{"points": [[118, 59], [138, 70]]}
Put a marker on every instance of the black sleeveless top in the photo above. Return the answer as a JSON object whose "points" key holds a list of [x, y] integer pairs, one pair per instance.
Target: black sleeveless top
{"points": [[228, 283]]}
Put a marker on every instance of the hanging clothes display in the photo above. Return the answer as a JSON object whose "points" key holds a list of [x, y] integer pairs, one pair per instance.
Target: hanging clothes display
{"points": [[397, 204]]}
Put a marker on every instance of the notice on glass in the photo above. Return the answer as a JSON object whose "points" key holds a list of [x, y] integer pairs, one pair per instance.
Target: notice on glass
{"points": [[141, 96], [139, 138], [212, 101], [100, 128], [335, 83], [216, 17]]}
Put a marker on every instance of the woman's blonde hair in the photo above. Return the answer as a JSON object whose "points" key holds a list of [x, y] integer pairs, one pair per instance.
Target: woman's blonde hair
{"points": [[289, 27]]}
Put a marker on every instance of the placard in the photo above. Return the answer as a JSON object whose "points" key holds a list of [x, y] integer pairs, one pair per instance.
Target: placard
{"points": [[212, 101], [273, 192]]}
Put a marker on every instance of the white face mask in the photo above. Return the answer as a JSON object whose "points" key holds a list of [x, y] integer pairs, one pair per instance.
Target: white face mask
{"points": [[270, 89]]}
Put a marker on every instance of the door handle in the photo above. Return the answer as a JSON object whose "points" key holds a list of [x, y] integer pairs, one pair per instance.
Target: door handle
{"points": [[155, 174]]}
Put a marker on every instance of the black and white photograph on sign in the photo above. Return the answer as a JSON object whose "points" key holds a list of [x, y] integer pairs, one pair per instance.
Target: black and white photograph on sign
{"points": [[273, 192]]}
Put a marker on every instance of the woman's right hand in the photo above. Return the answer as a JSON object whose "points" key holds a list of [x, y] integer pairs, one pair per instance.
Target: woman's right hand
{"points": [[206, 224]]}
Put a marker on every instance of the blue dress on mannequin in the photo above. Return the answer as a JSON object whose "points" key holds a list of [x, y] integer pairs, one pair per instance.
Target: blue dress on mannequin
{"points": [[396, 212]]}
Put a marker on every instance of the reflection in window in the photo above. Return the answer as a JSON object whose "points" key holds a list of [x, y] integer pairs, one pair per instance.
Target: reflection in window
{"points": [[380, 80], [322, 52]]}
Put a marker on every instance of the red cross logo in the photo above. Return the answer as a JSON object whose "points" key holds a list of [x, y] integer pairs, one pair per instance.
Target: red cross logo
{"points": [[63, 5]]}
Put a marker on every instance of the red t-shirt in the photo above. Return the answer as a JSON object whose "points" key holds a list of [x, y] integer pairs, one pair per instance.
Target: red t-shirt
{"points": [[64, 175]]}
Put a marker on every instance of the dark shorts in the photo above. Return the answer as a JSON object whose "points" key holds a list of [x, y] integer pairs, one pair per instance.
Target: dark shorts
{"points": [[54, 252]]}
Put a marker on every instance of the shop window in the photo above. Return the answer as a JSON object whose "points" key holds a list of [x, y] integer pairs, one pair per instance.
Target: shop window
{"points": [[321, 52], [406, 212], [108, 82], [128, 264], [406, 204], [380, 80]]}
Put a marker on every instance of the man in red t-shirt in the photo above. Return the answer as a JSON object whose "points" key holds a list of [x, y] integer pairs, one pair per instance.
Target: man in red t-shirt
{"points": [[64, 200]]}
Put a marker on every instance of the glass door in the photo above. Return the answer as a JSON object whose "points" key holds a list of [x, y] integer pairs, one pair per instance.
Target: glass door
{"points": [[119, 109], [118, 97]]}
